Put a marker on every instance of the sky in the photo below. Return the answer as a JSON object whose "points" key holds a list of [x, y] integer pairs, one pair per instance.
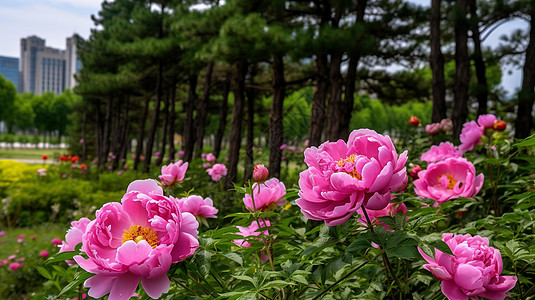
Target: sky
{"points": [[55, 20]]}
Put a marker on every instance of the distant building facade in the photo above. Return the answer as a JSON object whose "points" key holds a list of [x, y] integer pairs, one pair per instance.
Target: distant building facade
{"points": [[9, 69], [44, 68]]}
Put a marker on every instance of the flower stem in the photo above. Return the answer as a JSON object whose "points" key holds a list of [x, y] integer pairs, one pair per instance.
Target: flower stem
{"points": [[340, 280], [388, 265]]}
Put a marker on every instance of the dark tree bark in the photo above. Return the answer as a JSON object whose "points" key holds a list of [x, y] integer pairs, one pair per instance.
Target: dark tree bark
{"points": [[171, 125], [84, 144], [120, 153], [155, 119], [202, 108], [437, 65], [165, 126], [249, 157], [189, 130], [334, 111], [222, 117], [276, 129], [462, 66], [317, 115], [141, 135], [482, 89], [526, 96], [238, 86], [351, 78], [107, 130], [99, 129]]}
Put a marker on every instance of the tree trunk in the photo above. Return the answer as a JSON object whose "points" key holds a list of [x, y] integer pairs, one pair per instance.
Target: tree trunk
{"points": [[526, 96], [155, 118], [334, 111], [249, 157], [202, 108], [482, 87], [189, 131], [222, 117], [99, 129], [275, 117], [437, 65], [317, 114], [462, 65], [84, 147], [141, 135], [238, 85], [171, 125], [351, 78], [122, 139], [159, 159], [106, 135]]}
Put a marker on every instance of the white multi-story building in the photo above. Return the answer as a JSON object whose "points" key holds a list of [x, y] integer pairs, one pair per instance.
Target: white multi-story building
{"points": [[44, 68]]}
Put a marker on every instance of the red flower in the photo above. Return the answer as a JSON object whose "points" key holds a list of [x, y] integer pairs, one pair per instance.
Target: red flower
{"points": [[74, 159], [83, 166], [499, 125], [45, 157], [414, 121]]}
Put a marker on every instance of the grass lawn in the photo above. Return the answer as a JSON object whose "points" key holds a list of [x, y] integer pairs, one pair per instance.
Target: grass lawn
{"points": [[31, 153]]}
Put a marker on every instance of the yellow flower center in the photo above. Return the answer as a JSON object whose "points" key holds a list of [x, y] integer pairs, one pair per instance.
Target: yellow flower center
{"points": [[350, 159], [137, 233], [451, 181]]}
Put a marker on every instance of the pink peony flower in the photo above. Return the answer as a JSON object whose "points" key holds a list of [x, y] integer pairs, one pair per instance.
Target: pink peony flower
{"points": [[173, 173], [74, 236], [2, 233], [217, 171], [266, 195], [41, 172], [446, 125], [21, 238], [448, 179], [135, 240], [14, 266], [252, 230], [210, 157], [203, 155], [56, 241], [390, 210], [473, 272], [260, 173], [341, 177], [433, 128], [206, 165], [3, 262], [283, 147], [44, 253], [33, 236], [440, 152], [486, 121], [181, 153], [470, 136], [197, 206], [12, 256]]}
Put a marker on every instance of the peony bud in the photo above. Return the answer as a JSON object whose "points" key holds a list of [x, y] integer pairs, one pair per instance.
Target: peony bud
{"points": [[260, 173], [499, 125], [414, 121], [414, 171]]}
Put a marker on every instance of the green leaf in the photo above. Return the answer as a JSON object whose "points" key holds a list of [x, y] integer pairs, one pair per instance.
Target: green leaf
{"points": [[203, 259], [442, 246], [276, 284], [44, 272], [61, 257], [79, 278], [246, 278], [358, 245], [527, 142], [234, 257]]}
